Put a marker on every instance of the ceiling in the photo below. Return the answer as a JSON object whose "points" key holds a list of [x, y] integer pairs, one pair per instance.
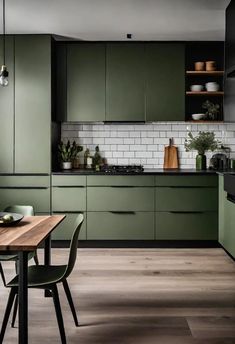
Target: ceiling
{"points": [[113, 19]]}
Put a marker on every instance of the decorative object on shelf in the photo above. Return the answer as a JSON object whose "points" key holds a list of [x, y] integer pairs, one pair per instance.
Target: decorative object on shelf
{"points": [[171, 159], [97, 160], [199, 66], [212, 87], [67, 153], [210, 66], [86, 156], [196, 88], [4, 72], [212, 110], [203, 142], [198, 116]]}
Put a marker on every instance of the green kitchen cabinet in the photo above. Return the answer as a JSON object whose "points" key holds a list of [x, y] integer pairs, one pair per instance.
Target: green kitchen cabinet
{"points": [[125, 82], [66, 228], [120, 226], [25, 190], [186, 199], [222, 201], [120, 181], [7, 110], [165, 82], [120, 198], [32, 103], [86, 82], [68, 199], [188, 180], [226, 220], [186, 226]]}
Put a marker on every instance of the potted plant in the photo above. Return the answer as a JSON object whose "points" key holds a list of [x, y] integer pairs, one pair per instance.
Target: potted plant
{"points": [[203, 142], [212, 110], [67, 153]]}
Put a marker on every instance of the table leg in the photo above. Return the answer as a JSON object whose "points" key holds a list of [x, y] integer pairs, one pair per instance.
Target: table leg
{"points": [[23, 297], [47, 258]]}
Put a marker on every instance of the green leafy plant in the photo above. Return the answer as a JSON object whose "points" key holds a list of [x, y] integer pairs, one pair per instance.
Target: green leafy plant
{"points": [[212, 109], [68, 152], [203, 142]]}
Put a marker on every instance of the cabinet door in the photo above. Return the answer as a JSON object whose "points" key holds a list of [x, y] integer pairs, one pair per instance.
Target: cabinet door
{"points": [[86, 82], [229, 232], [7, 111], [165, 82], [32, 104], [125, 82], [222, 200]]}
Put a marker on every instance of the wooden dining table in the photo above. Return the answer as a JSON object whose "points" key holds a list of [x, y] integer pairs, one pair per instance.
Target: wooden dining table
{"points": [[23, 238]]}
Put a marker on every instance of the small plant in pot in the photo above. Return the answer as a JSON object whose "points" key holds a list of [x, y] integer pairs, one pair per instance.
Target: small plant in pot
{"points": [[212, 110], [67, 153], [204, 141]]}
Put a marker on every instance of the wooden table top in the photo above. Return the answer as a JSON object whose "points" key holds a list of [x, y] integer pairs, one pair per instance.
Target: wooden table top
{"points": [[28, 233]]}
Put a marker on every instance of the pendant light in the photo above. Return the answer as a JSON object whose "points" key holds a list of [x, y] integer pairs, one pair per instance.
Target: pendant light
{"points": [[4, 72]]}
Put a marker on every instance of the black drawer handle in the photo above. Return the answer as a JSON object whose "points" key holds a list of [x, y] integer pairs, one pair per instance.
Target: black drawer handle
{"points": [[25, 187], [68, 186], [186, 212], [123, 212]]}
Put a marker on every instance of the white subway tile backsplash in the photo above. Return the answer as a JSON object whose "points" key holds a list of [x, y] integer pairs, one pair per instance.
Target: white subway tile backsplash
{"points": [[143, 143]]}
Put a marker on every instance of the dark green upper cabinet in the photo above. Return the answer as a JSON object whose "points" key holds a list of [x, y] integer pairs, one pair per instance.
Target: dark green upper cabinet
{"points": [[125, 74], [165, 82], [32, 103], [86, 82], [7, 111]]}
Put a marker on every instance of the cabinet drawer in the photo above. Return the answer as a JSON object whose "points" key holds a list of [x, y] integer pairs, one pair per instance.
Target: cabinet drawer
{"points": [[66, 228], [25, 181], [68, 180], [120, 180], [120, 226], [186, 226], [120, 199], [69, 199], [189, 180], [38, 198], [186, 199]]}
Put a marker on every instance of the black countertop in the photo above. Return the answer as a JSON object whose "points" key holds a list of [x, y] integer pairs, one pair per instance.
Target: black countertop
{"points": [[146, 171]]}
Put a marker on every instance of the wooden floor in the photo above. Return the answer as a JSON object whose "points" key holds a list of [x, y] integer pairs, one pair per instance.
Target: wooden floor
{"points": [[139, 296]]}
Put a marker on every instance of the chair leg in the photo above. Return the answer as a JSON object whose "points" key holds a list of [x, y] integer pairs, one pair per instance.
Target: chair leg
{"points": [[36, 258], [7, 313], [14, 311], [58, 313], [2, 275], [70, 301]]}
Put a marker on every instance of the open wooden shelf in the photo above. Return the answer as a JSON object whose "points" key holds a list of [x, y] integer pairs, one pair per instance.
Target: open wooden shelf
{"points": [[204, 72], [205, 93]]}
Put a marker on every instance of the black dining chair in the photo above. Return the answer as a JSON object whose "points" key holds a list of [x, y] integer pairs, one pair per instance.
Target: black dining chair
{"points": [[26, 210], [47, 277]]}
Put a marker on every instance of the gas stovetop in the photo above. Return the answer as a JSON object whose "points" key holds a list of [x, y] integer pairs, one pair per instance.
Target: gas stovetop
{"points": [[122, 169]]}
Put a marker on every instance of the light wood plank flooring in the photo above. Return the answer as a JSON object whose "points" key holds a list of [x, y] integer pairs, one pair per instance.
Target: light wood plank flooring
{"points": [[138, 296]]}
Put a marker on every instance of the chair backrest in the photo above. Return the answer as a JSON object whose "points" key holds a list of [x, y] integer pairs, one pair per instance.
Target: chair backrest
{"points": [[25, 210], [73, 245]]}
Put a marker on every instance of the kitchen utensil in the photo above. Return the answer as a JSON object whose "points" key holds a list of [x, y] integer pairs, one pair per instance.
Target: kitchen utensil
{"points": [[212, 87], [219, 161], [16, 219], [198, 116], [199, 66], [171, 159], [196, 88], [210, 66]]}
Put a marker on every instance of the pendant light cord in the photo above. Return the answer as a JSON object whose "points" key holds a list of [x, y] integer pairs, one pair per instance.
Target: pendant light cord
{"points": [[4, 31]]}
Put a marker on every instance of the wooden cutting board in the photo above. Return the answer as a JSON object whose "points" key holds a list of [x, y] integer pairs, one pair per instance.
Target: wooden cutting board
{"points": [[171, 159]]}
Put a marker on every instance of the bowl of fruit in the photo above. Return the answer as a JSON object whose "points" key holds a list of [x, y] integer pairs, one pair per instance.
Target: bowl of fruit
{"points": [[9, 219]]}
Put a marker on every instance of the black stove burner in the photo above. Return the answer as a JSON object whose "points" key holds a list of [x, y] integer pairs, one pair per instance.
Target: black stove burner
{"points": [[122, 169]]}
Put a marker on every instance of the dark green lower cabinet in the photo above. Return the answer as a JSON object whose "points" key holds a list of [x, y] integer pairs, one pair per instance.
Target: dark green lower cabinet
{"points": [[186, 226], [65, 230], [120, 226]]}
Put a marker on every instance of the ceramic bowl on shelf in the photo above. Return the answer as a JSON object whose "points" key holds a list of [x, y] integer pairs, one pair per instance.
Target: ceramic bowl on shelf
{"points": [[196, 88], [212, 87], [198, 116]]}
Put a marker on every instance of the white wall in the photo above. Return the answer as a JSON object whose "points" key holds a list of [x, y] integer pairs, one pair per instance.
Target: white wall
{"points": [[143, 143]]}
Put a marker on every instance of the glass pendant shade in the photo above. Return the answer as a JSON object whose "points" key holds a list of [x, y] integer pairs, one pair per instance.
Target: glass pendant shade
{"points": [[4, 76]]}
